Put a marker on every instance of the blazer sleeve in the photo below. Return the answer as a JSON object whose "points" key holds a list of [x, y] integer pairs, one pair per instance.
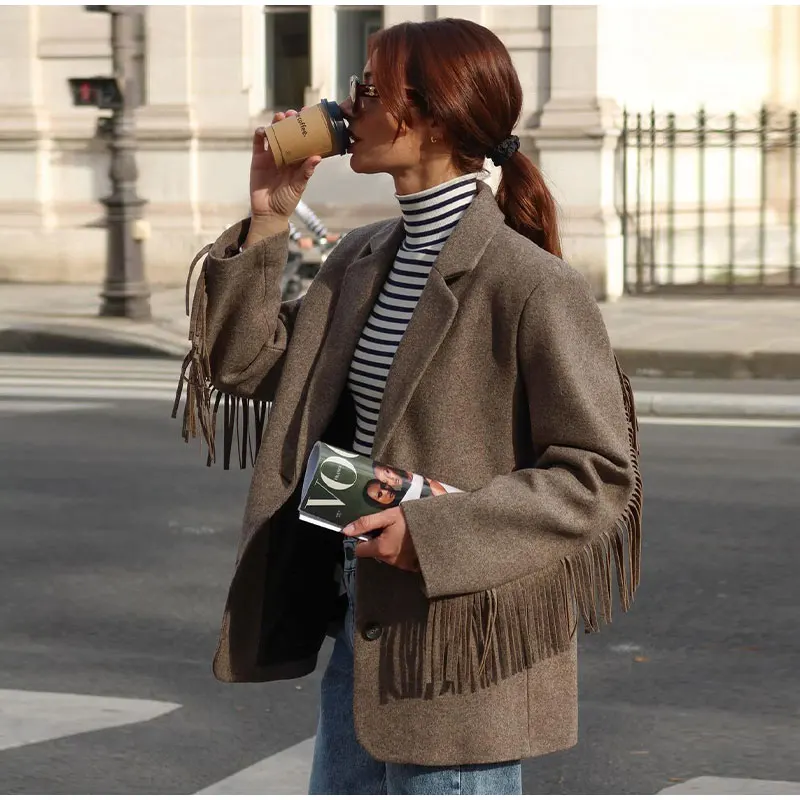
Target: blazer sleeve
{"points": [[571, 510], [239, 330], [247, 326]]}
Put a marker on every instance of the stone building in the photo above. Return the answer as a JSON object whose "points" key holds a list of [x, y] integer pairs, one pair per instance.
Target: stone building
{"points": [[213, 73]]}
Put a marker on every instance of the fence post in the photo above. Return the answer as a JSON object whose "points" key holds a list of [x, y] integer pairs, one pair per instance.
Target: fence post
{"points": [[623, 144], [701, 207], [639, 265], [732, 201], [763, 121], [671, 198], [652, 196], [793, 198]]}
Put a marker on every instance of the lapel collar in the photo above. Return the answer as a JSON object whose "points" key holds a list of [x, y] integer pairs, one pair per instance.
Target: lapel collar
{"points": [[435, 310], [361, 285], [467, 243]]}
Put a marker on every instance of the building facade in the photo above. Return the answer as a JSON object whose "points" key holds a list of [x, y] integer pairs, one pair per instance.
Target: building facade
{"points": [[211, 74]]}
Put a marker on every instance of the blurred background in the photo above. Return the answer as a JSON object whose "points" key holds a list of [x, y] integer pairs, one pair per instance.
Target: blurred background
{"points": [[669, 134], [640, 191]]}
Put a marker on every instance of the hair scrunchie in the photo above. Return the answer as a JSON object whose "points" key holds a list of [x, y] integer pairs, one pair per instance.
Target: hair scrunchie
{"points": [[503, 151]]}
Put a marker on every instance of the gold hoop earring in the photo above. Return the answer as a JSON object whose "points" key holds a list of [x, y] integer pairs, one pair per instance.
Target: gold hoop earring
{"points": [[434, 140]]}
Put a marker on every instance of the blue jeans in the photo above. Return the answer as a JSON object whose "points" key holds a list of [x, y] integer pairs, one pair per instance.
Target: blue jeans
{"points": [[342, 766]]}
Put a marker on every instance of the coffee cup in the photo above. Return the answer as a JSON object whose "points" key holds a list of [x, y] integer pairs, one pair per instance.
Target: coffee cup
{"points": [[319, 130]]}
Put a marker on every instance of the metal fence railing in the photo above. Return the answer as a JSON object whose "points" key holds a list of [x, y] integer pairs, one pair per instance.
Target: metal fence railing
{"points": [[709, 204]]}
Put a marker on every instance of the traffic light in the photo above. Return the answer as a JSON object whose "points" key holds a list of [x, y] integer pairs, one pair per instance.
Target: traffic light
{"points": [[131, 10], [98, 92]]}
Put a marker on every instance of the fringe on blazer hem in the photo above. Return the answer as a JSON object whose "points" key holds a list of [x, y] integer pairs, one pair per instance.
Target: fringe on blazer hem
{"points": [[470, 642], [203, 400]]}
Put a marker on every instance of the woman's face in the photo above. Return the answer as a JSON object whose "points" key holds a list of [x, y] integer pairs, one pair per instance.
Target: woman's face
{"points": [[388, 476], [381, 493], [374, 149]]}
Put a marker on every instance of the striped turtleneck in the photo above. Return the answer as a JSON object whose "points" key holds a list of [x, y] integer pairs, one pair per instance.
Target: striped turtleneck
{"points": [[429, 217]]}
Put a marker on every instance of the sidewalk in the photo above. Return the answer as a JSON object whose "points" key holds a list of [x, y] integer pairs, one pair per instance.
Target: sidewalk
{"points": [[736, 338]]}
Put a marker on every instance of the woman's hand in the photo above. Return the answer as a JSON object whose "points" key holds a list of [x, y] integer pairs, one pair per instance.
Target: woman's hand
{"points": [[275, 191], [392, 545]]}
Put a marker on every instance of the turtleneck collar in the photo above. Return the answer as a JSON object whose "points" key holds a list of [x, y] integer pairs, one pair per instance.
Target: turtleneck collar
{"points": [[430, 215]]}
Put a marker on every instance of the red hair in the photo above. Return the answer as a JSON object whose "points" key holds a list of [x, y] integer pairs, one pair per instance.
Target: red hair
{"points": [[460, 75]]}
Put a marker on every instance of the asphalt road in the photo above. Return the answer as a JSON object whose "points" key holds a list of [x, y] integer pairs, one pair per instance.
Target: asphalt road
{"points": [[117, 545]]}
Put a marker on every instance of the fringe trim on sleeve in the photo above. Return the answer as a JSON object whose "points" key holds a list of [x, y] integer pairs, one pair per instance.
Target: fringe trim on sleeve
{"points": [[470, 642], [201, 395]]}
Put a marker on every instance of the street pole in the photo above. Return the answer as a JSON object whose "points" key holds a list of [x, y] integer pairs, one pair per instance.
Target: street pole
{"points": [[125, 292]]}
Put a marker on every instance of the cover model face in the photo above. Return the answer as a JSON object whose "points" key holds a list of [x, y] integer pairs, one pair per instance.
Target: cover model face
{"points": [[390, 476], [381, 493]]}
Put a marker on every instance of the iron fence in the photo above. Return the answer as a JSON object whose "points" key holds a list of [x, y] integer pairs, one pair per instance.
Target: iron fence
{"points": [[709, 204]]}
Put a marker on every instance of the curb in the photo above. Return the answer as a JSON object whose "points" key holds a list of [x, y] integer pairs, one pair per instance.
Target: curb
{"points": [[717, 406], [712, 785], [152, 341], [709, 364], [79, 340], [127, 339]]}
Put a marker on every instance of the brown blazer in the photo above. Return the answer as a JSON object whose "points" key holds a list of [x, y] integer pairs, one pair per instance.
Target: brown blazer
{"points": [[504, 385]]}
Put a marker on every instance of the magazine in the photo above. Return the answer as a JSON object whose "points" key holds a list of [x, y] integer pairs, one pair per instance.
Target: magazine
{"points": [[339, 487]]}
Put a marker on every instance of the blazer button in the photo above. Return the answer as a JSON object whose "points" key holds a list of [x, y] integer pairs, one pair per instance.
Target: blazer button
{"points": [[372, 631]]}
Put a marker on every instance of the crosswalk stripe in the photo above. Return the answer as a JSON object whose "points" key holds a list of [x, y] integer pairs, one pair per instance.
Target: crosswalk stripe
{"points": [[71, 364], [108, 374], [712, 785], [286, 772], [32, 717], [89, 383], [46, 406], [67, 392], [78, 378]]}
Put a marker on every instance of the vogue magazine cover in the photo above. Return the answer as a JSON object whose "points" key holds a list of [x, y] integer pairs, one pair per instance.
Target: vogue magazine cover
{"points": [[340, 486]]}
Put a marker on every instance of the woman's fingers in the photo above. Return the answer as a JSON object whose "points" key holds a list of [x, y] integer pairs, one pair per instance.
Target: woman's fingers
{"points": [[258, 140], [309, 165]]}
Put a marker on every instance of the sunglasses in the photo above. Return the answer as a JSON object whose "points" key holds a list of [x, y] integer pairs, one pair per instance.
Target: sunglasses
{"points": [[358, 91]]}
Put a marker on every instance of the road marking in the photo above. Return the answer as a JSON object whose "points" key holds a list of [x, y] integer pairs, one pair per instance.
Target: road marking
{"points": [[99, 393], [81, 381], [120, 378], [78, 378], [717, 422], [286, 772], [717, 404], [625, 647], [714, 785], [32, 717], [46, 406]]}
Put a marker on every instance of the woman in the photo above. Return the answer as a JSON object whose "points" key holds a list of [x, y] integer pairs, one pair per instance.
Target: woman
{"points": [[455, 343], [399, 480], [380, 494]]}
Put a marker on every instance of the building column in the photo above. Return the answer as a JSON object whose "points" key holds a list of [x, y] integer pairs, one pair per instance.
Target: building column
{"points": [[323, 55], [785, 62], [576, 143], [26, 188], [394, 15], [166, 126]]}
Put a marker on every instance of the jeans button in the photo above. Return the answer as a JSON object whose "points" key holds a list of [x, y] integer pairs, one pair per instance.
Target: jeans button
{"points": [[372, 631]]}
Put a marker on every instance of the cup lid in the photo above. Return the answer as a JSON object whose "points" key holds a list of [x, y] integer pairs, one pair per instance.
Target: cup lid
{"points": [[338, 123]]}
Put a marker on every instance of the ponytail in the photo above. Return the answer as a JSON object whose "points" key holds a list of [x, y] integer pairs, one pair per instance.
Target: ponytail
{"points": [[528, 204], [416, 63]]}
